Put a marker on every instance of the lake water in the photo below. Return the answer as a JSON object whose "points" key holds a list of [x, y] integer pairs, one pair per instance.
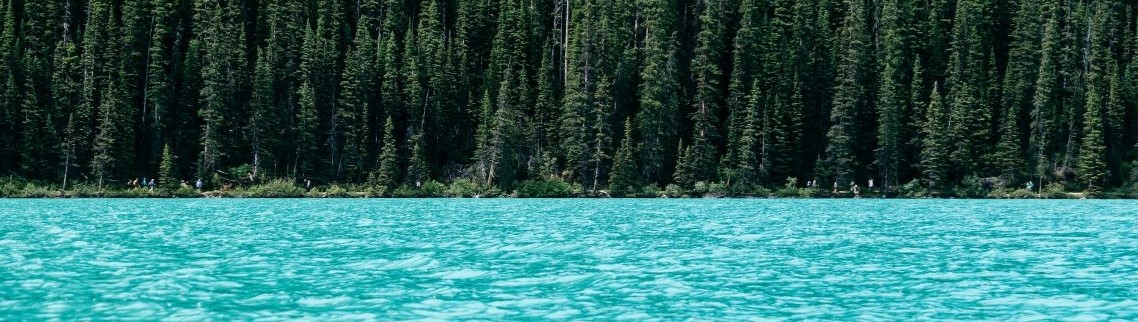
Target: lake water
{"points": [[500, 259]]}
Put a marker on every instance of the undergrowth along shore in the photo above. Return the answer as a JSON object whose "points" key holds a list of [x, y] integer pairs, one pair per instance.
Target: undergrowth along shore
{"points": [[282, 188]]}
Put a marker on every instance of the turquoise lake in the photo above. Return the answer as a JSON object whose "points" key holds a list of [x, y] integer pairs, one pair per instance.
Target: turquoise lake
{"points": [[504, 259]]}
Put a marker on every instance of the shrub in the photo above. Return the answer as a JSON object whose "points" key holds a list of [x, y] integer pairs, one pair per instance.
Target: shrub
{"points": [[1054, 190], [276, 188], [913, 189], [717, 190], [432, 188], [554, 188], [335, 191], [673, 191], [462, 188]]}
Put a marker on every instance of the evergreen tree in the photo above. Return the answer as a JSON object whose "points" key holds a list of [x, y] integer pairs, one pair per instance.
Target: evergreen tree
{"points": [[387, 175], [167, 172], [1045, 101], [969, 117], [935, 161], [602, 133], [657, 121], [159, 86], [355, 100], [1092, 160], [684, 176], [221, 40], [892, 98], [841, 151], [9, 90], [307, 127], [1092, 167], [106, 163], [623, 180], [262, 120], [705, 118], [743, 55], [417, 170], [1018, 87]]}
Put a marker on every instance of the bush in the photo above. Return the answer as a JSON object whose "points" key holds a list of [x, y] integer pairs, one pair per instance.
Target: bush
{"points": [[31, 190], [555, 188], [674, 191], [913, 189], [432, 188], [183, 192], [462, 188], [335, 191], [717, 190], [1054, 190], [277, 188]]}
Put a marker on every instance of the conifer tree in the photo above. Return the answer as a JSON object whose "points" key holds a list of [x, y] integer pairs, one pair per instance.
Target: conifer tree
{"points": [[9, 89], [262, 120], [841, 151], [105, 163], [158, 85], [387, 175], [417, 170], [935, 155], [38, 135], [684, 176], [1018, 87], [1091, 165], [657, 121], [1045, 100], [1092, 168], [307, 127], [355, 100], [743, 55], [167, 171], [602, 133], [706, 104], [893, 97], [969, 117], [624, 173], [745, 170]]}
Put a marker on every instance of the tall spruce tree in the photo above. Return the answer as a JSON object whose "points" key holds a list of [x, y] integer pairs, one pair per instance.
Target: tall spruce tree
{"points": [[354, 106], [969, 116], [1019, 88], [893, 96], [624, 178], [849, 96], [387, 175], [935, 162], [708, 96], [657, 121]]}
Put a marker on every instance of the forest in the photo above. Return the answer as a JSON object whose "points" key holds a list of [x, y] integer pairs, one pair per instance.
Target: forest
{"points": [[612, 97]]}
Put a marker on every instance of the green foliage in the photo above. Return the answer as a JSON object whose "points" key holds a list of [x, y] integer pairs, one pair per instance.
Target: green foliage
{"points": [[388, 93], [277, 188], [388, 173], [544, 189], [167, 174]]}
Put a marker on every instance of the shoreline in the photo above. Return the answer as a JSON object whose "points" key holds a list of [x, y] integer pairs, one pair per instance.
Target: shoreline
{"points": [[339, 193], [551, 188]]}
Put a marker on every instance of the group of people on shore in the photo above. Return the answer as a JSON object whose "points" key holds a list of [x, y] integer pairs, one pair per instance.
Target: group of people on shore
{"points": [[854, 187], [143, 183]]}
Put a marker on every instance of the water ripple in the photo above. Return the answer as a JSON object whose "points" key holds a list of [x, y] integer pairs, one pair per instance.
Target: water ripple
{"points": [[334, 260]]}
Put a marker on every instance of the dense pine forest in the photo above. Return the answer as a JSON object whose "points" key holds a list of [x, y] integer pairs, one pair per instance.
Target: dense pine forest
{"points": [[619, 96]]}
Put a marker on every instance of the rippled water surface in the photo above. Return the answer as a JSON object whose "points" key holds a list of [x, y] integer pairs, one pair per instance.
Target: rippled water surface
{"points": [[568, 259]]}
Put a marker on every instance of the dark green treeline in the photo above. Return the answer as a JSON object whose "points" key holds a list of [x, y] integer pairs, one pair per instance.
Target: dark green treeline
{"points": [[604, 94]]}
